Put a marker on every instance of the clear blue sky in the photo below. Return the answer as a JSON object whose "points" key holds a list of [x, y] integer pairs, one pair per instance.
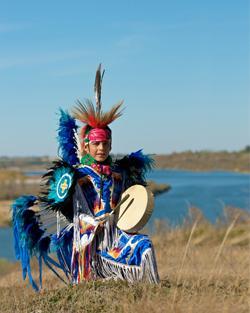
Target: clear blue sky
{"points": [[182, 68]]}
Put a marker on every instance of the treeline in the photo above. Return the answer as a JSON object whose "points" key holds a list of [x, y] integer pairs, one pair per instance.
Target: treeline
{"points": [[25, 162], [190, 160], [206, 161]]}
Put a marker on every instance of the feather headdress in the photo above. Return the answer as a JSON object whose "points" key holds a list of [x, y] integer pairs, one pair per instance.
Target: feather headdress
{"points": [[94, 116]]}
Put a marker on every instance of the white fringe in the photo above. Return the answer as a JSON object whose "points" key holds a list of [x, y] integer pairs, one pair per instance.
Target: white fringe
{"points": [[109, 269]]}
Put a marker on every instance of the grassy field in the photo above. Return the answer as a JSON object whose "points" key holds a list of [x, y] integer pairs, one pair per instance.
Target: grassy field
{"points": [[203, 268]]}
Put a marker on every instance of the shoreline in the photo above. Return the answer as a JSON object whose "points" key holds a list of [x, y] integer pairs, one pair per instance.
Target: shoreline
{"points": [[203, 160], [5, 205], [201, 170]]}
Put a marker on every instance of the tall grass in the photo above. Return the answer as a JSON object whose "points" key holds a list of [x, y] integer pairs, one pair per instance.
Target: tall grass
{"points": [[203, 268]]}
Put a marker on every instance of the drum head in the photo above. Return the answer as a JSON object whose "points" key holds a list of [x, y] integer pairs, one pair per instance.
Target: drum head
{"points": [[135, 212]]}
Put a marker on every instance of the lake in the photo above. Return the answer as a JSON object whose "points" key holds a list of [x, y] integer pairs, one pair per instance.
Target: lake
{"points": [[209, 191]]}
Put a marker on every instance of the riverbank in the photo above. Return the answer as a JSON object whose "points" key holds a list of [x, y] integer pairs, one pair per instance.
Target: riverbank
{"points": [[203, 268], [33, 188]]}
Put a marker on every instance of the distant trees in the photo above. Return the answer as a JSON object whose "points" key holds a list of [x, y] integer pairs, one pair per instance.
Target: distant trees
{"points": [[246, 149]]}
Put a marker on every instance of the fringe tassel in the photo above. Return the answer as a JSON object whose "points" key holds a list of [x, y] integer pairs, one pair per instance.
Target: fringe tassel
{"points": [[82, 251], [109, 269], [87, 263]]}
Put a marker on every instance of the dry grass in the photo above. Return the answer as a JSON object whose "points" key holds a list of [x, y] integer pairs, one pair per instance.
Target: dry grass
{"points": [[203, 268], [5, 213], [14, 183]]}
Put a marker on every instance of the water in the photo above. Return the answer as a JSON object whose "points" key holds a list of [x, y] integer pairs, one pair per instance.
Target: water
{"points": [[209, 191], [7, 248]]}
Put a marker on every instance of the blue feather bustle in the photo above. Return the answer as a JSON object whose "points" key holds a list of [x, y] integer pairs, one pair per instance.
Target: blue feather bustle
{"points": [[52, 197], [66, 138], [30, 236], [30, 239], [135, 165], [27, 234]]}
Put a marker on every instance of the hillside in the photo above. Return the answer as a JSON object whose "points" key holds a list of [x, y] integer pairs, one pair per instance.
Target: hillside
{"points": [[203, 268], [206, 161]]}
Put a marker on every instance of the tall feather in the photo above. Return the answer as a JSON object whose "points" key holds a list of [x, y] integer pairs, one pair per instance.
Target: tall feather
{"points": [[67, 131], [98, 88], [93, 116]]}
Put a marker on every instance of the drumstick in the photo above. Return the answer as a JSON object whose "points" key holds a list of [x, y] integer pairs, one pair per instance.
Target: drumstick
{"points": [[120, 203], [117, 206], [129, 204]]}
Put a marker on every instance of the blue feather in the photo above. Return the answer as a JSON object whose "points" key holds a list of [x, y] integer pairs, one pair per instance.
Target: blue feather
{"points": [[30, 240], [145, 161], [23, 236], [135, 166], [66, 138]]}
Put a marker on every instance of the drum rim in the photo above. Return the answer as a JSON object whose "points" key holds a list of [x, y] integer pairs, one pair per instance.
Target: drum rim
{"points": [[145, 218]]}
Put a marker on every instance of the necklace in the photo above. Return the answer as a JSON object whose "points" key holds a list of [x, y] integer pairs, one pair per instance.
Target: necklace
{"points": [[103, 168]]}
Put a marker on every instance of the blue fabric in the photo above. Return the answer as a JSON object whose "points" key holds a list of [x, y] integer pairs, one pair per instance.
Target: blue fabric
{"points": [[130, 249], [101, 184]]}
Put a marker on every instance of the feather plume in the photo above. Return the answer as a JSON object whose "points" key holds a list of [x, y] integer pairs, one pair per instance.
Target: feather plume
{"points": [[86, 113], [93, 116], [67, 131], [98, 88]]}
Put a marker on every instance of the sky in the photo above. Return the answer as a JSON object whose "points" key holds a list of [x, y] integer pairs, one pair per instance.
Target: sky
{"points": [[181, 67]]}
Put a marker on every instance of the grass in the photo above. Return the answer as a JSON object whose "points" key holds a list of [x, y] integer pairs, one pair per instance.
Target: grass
{"points": [[203, 268], [14, 183]]}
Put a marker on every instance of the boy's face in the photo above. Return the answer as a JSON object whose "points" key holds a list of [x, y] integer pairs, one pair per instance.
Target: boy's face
{"points": [[99, 150]]}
